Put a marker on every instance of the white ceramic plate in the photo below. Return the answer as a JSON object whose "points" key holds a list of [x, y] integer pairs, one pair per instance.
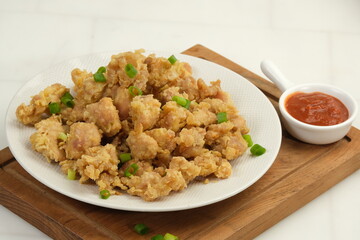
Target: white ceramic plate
{"points": [[261, 117]]}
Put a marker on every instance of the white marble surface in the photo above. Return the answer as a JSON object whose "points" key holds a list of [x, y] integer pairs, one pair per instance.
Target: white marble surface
{"points": [[310, 40]]}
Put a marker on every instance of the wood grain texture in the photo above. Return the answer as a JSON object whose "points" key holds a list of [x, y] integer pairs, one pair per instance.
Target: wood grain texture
{"points": [[299, 174]]}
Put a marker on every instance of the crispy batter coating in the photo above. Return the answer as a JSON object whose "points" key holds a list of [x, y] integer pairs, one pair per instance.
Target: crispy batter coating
{"points": [[191, 141], [162, 72], [170, 145], [201, 116], [151, 185], [81, 137], [211, 162], [75, 114], [32, 113], [172, 116], [86, 89], [122, 100], [116, 73], [142, 146], [231, 145], [208, 162], [45, 139], [188, 169], [97, 160], [104, 115], [145, 110]]}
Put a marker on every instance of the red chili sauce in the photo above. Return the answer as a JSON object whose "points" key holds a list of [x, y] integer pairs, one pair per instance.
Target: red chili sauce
{"points": [[316, 108]]}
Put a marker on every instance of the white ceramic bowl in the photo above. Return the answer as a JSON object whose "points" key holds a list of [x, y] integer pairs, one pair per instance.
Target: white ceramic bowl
{"points": [[303, 131], [318, 134]]}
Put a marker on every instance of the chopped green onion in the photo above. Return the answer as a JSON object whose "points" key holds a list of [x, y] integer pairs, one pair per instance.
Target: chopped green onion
{"points": [[141, 229], [130, 70], [257, 150], [99, 75], [169, 236], [105, 194], [158, 237], [131, 170], [124, 157], [182, 101], [54, 107], [101, 69], [62, 136], [71, 174], [67, 99], [135, 91], [248, 139], [188, 102], [221, 117], [172, 59]]}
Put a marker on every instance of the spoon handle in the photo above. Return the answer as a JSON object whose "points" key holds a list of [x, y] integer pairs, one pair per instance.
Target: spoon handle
{"points": [[273, 73]]}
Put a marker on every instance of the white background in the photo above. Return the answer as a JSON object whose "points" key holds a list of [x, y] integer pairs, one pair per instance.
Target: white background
{"points": [[310, 40]]}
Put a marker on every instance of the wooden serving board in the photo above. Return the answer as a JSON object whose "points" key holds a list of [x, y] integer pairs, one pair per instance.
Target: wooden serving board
{"points": [[300, 173]]}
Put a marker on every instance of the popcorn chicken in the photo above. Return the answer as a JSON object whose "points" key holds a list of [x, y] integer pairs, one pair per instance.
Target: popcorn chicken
{"points": [[172, 116], [104, 115], [81, 137], [145, 110], [33, 113], [97, 160], [86, 88], [191, 141], [142, 146], [45, 139], [116, 73]]}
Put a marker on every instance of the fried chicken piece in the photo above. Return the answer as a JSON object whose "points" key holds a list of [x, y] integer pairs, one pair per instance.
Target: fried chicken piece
{"points": [[162, 72], [191, 141], [172, 116], [164, 137], [86, 88], [189, 86], [116, 73], [97, 160], [104, 115], [142, 146], [81, 137], [166, 141], [188, 169], [75, 114], [224, 169], [45, 139], [231, 145], [201, 115], [218, 105], [239, 123], [122, 100], [206, 91], [32, 113], [168, 93], [215, 131], [151, 185], [208, 162], [109, 182], [211, 162], [67, 164], [145, 110]]}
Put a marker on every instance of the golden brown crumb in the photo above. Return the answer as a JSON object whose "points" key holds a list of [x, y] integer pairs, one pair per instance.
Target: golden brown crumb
{"points": [[45, 139], [32, 113]]}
